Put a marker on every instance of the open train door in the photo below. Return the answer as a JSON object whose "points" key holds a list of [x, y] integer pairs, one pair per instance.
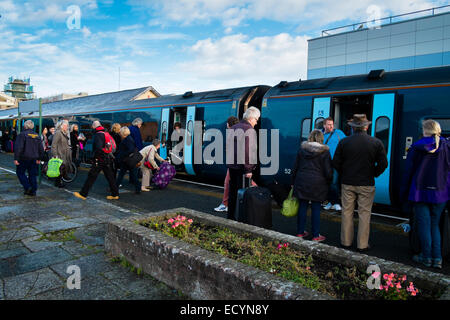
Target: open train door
{"points": [[382, 128], [321, 111], [189, 141], [164, 135]]}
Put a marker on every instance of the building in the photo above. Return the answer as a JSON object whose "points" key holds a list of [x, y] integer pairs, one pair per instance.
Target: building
{"points": [[7, 102], [63, 96], [19, 88], [419, 42]]}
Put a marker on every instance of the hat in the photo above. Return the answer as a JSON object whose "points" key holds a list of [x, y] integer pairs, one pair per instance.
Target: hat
{"points": [[359, 120]]}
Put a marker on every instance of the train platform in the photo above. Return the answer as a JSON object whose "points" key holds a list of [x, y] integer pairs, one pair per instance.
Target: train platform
{"points": [[41, 236]]}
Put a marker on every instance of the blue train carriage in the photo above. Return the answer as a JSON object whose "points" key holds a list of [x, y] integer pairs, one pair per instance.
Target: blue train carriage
{"points": [[395, 102], [208, 111]]}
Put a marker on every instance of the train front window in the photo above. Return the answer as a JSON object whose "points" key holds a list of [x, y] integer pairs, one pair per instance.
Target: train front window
{"points": [[318, 124], [306, 125]]}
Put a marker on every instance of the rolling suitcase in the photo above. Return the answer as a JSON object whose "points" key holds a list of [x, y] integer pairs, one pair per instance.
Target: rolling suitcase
{"points": [[279, 191], [254, 206]]}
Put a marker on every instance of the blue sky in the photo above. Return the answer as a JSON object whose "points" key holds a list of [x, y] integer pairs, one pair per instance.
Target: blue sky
{"points": [[174, 46]]}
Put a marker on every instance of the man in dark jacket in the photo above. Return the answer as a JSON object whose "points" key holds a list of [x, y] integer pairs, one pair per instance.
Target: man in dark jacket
{"points": [[135, 132], [102, 161], [358, 160], [241, 154], [28, 152]]}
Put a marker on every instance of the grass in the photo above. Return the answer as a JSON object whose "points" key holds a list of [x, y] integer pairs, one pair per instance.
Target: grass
{"points": [[278, 259]]}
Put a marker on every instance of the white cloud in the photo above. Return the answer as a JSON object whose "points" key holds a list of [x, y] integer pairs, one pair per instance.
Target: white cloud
{"points": [[236, 60]]}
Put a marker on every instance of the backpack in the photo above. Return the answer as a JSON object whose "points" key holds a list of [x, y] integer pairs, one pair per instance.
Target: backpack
{"points": [[53, 167], [110, 144]]}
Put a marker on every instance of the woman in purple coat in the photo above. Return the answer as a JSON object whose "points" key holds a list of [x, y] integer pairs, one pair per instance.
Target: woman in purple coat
{"points": [[426, 185]]}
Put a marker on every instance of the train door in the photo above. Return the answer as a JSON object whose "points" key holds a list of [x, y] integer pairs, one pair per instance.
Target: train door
{"points": [[164, 135], [189, 140], [321, 111], [382, 128]]}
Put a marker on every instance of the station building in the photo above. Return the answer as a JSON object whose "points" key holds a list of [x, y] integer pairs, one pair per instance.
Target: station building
{"points": [[414, 43]]}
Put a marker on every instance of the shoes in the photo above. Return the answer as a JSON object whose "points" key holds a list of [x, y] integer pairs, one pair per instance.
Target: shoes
{"points": [[303, 235], [364, 250], [144, 189], [345, 247], [221, 208], [426, 262], [437, 263], [78, 195], [112, 197], [328, 206], [29, 192], [319, 238], [336, 207]]}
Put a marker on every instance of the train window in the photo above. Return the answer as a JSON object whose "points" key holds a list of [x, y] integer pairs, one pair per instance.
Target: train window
{"points": [[164, 132], [190, 131], [306, 128], [319, 123], [382, 131]]}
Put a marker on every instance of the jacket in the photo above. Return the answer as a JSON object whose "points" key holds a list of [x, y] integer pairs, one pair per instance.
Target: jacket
{"points": [[126, 147], [313, 172], [360, 158], [136, 135], [61, 147], [150, 153], [426, 176], [333, 142], [28, 146], [99, 144], [241, 137]]}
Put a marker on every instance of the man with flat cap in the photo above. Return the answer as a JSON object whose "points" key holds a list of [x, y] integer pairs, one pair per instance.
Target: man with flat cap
{"points": [[358, 159]]}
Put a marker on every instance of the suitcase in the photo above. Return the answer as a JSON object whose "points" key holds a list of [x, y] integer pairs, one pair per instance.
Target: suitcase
{"points": [[254, 206], [164, 175]]}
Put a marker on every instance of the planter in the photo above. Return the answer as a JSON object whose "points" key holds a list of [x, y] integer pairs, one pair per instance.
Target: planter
{"points": [[202, 274]]}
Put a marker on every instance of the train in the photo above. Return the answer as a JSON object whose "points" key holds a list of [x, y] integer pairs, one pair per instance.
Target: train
{"points": [[396, 102]]}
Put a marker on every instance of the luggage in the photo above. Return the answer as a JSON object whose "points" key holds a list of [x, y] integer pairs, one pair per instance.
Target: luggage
{"points": [[133, 160], [164, 175], [54, 167], [279, 192], [254, 206], [290, 206]]}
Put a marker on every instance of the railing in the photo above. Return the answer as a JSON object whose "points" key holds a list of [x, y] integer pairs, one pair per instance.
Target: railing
{"points": [[378, 22]]}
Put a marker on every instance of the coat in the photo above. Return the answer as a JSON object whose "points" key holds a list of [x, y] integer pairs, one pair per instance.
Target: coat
{"points": [[126, 147], [247, 143], [61, 147], [28, 146], [334, 140], [313, 172], [360, 158], [150, 152], [427, 174], [135, 133]]}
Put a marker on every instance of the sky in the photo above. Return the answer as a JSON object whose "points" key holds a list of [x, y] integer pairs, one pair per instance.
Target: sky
{"points": [[97, 46]]}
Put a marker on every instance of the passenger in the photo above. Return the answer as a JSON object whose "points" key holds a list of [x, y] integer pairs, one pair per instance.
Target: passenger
{"points": [[27, 155], [5, 138], [149, 153], [50, 135], [45, 144], [239, 138], [75, 140], [61, 149], [231, 121], [426, 185], [311, 178], [136, 133], [102, 162], [127, 147], [115, 133], [332, 137], [359, 158]]}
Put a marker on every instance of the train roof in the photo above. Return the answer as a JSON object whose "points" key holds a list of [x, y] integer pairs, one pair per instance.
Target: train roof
{"points": [[374, 80], [122, 100]]}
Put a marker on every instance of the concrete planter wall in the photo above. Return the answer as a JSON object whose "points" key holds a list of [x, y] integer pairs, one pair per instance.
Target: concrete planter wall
{"points": [[202, 274]]}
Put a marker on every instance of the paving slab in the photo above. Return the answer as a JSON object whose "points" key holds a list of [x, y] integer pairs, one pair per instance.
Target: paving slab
{"points": [[13, 252], [32, 262], [56, 225], [34, 244], [30, 284]]}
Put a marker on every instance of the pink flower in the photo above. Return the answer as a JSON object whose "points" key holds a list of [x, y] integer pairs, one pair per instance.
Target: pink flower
{"points": [[285, 245], [279, 246], [183, 218], [385, 276], [376, 275], [170, 221], [308, 268], [404, 278], [413, 293], [176, 224], [398, 285], [190, 220]]}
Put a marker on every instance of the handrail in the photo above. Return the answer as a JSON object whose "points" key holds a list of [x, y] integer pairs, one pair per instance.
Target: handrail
{"points": [[361, 24]]}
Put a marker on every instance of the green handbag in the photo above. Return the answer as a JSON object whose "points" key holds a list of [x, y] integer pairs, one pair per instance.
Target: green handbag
{"points": [[53, 167], [290, 205]]}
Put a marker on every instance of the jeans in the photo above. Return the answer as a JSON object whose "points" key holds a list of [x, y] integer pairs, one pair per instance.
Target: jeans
{"points": [[427, 217], [133, 177], [95, 170], [335, 190], [315, 217], [29, 182]]}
